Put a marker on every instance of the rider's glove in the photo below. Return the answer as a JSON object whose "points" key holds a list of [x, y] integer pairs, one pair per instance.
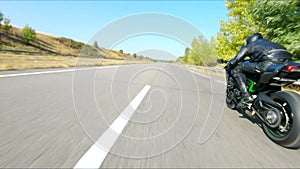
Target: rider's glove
{"points": [[229, 65]]}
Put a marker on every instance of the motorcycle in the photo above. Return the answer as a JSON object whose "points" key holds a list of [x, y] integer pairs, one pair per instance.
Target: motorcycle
{"points": [[278, 110]]}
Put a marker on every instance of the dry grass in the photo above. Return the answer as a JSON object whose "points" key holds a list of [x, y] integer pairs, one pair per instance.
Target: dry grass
{"points": [[43, 43], [208, 71], [293, 87], [19, 62], [57, 45]]}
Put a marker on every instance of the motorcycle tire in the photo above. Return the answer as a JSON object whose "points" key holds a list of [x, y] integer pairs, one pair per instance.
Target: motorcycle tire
{"points": [[231, 104], [291, 137]]}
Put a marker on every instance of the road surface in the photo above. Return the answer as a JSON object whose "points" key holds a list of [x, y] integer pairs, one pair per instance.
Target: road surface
{"points": [[55, 118]]}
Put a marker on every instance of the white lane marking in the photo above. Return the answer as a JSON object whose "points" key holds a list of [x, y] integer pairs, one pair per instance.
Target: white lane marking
{"points": [[197, 73], [54, 71], [95, 156]]}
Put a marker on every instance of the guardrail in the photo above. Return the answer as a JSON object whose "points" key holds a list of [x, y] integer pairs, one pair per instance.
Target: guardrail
{"points": [[223, 70]]}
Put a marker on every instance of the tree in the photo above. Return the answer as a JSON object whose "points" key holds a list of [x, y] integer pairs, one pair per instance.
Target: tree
{"points": [[186, 54], [121, 51], [201, 53], [1, 17], [280, 22], [96, 44], [239, 26], [187, 51], [6, 25], [29, 34], [141, 57], [134, 55]]}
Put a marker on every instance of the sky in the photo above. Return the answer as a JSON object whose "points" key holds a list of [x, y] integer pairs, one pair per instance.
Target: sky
{"points": [[81, 20]]}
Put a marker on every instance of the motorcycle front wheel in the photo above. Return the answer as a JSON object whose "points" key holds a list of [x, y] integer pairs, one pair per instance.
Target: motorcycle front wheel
{"points": [[230, 104], [287, 134]]}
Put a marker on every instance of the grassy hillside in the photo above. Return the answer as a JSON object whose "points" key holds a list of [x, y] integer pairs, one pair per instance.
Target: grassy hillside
{"points": [[54, 45], [47, 51]]}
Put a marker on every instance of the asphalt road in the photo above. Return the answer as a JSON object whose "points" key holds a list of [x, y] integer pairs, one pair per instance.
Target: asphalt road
{"points": [[51, 118]]}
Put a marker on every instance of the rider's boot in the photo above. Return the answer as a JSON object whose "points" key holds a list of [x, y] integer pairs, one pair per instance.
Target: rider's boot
{"points": [[246, 97], [240, 78]]}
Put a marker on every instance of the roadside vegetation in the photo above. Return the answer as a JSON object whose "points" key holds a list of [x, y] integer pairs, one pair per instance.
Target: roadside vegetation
{"points": [[278, 21], [19, 61], [201, 53], [29, 34], [25, 48]]}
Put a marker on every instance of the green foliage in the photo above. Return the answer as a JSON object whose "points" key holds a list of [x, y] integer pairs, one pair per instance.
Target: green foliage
{"points": [[239, 26], [121, 51], [278, 21], [201, 53], [134, 55], [1, 17], [29, 34], [6, 25], [96, 44], [186, 53], [141, 57]]}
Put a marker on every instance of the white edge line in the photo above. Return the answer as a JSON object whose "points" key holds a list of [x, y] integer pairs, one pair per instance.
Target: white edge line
{"points": [[55, 71], [199, 74], [95, 156]]}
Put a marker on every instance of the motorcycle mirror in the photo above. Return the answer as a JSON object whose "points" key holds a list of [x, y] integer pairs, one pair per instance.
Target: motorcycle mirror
{"points": [[221, 61]]}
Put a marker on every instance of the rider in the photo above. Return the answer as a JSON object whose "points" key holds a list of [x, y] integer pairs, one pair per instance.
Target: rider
{"points": [[262, 53]]}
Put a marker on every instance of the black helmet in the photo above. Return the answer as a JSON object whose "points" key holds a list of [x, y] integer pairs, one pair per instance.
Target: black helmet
{"points": [[253, 38]]}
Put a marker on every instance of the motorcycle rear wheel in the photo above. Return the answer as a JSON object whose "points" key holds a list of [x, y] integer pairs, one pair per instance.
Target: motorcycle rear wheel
{"points": [[290, 137]]}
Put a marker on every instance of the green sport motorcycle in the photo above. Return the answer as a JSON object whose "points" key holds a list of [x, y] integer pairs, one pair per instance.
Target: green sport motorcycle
{"points": [[279, 111]]}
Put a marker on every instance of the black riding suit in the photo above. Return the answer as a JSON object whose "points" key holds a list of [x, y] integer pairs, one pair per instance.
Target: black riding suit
{"points": [[262, 53]]}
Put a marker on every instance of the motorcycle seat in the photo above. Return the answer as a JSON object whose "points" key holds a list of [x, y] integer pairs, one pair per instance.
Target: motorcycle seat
{"points": [[274, 67]]}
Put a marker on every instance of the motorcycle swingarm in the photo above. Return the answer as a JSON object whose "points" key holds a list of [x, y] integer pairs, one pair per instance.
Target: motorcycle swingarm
{"points": [[263, 98]]}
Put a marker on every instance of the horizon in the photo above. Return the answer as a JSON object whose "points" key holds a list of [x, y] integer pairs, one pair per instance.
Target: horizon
{"points": [[80, 20]]}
